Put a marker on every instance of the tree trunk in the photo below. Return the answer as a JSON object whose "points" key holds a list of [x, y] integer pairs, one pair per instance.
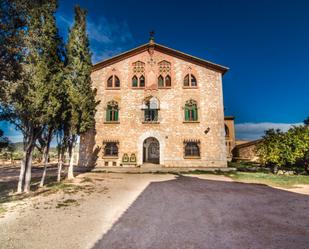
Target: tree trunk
{"points": [[28, 170], [71, 164], [45, 156], [22, 173], [60, 163], [71, 155]]}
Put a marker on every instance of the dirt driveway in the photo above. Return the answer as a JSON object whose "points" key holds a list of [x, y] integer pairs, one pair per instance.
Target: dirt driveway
{"points": [[161, 211]]}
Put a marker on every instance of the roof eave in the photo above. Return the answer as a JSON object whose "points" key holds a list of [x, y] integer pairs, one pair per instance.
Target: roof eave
{"points": [[164, 49]]}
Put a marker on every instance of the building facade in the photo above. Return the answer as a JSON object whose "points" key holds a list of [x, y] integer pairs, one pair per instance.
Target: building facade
{"points": [[157, 106]]}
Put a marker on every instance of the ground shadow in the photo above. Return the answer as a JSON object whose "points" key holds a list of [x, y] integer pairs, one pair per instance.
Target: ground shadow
{"points": [[9, 179], [194, 213]]}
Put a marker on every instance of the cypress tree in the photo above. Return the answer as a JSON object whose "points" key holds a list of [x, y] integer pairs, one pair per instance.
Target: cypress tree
{"points": [[56, 99], [12, 24], [81, 96]]}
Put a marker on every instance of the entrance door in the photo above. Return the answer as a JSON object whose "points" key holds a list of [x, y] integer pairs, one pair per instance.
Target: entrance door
{"points": [[151, 151]]}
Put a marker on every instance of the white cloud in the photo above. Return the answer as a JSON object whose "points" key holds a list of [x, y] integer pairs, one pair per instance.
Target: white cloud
{"points": [[15, 138], [252, 131]]}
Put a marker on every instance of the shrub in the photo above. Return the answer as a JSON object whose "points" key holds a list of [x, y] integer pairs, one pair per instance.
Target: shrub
{"points": [[285, 150]]}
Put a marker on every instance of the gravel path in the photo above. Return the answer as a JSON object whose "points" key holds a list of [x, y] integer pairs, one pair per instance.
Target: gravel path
{"points": [[189, 212]]}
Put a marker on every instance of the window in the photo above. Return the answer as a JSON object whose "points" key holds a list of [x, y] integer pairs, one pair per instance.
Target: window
{"points": [[227, 133], [110, 82], [111, 149], [151, 109], [168, 81], [112, 111], [160, 81], [189, 81], [164, 82], [138, 80], [191, 113], [113, 82], [117, 81], [134, 81], [192, 149], [142, 81], [164, 79]]}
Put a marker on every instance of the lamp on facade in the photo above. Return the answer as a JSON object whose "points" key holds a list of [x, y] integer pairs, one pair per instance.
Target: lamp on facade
{"points": [[207, 130]]}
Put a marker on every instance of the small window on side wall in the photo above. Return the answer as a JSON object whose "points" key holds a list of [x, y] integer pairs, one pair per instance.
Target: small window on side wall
{"points": [[190, 81]]}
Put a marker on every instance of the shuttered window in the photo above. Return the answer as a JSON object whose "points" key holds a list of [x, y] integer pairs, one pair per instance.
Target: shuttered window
{"points": [[191, 111]]}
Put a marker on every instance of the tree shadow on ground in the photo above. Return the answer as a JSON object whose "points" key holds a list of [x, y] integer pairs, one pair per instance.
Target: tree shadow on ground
{"points": [[9, 180], [189, 212]]}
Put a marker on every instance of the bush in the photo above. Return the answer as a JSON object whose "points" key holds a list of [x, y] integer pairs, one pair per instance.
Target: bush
{"points": [[285, 150]]}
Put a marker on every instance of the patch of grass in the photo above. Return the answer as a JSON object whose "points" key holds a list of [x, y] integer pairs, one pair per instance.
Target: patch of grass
{"points": [[285, 181], [67, 203], [203, 172], [86, 179], [66, 187], [248, 167]]}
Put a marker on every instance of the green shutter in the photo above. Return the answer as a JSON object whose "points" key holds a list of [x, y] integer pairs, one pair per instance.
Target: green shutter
{"points": [[187, 114], [116, 114], [196, 117], [108, 114], [194, 114]]}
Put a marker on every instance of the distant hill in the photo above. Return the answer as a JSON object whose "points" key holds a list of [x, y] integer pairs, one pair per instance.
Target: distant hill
{"points": [[19, 147]]}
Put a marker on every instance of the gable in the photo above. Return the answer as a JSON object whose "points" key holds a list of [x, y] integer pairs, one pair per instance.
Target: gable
{"points": [[162, 49]]}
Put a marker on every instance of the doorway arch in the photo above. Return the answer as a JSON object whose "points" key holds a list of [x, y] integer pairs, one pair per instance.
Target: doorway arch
{"points": [[151, 150], [140, 143]]}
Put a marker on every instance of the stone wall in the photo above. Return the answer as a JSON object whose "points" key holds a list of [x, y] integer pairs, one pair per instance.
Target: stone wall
{"points": [[171, 130], [246, 151]]}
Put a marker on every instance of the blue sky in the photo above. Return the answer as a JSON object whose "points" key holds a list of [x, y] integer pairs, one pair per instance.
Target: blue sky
{"points": [[264, 43]]}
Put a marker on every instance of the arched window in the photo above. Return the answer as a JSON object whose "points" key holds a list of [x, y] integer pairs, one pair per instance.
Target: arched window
{"points": [[117, 81], [189, 81], [111, 149], [227, 132], [160, 81], [164, 79], [110, 82], [191, 113], [113, 82], [142, 81], [112, 111], [168, 81], [164, 82], [193, 81], [134, 81], [151, 109], [192, 149], [138, 79]]}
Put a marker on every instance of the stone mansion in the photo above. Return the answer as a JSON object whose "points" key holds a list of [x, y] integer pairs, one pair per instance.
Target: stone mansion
{"points": [[158, 106]]}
